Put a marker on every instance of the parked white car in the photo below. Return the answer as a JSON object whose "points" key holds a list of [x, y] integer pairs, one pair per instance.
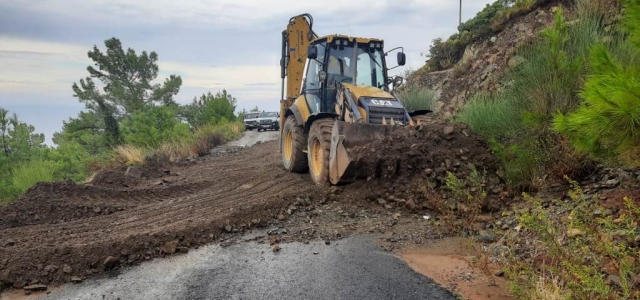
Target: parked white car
{"points": [[269, 120]]}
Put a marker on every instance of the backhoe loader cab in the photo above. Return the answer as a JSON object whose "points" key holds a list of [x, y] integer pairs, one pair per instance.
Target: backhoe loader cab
{"points": [[337, 97], [336, 60]]}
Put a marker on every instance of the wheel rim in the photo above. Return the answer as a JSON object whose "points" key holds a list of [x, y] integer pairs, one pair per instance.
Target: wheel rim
{"points": [[288, 146], [316, 157]]}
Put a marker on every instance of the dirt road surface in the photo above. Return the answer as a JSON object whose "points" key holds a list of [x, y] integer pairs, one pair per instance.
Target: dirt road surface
{"points": [[66, 232]]}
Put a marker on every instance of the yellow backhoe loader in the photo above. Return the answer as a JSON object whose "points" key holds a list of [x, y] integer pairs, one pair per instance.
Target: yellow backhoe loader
{"points": [[337, 97]]}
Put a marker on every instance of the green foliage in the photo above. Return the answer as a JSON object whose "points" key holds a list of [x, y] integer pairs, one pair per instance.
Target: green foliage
{"points": [[445, 54], [154, 126], [493, 116], [519, 118], [577, 252], [607, 124], [417, 98], [25, 175], [127, 78], [210, 109]]}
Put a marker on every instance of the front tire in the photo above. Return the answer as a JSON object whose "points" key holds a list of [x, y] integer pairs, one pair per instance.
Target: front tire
{"points": [[318, 150], [293, 141]]}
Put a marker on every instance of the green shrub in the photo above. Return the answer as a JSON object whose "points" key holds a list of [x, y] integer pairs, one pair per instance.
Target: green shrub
{"points": [[27, 174], [492, 116], [417, 98], [154, 126], [607, 124]]}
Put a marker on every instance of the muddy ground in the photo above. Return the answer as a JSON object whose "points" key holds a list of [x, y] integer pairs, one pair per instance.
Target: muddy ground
{"points": [[62, 232]]}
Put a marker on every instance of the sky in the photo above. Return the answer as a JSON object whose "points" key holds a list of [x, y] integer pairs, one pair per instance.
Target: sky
{"points": [[211, 44]]}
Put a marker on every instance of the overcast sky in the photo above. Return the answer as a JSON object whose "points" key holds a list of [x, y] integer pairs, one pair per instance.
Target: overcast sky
{"points": [[212, 44]]}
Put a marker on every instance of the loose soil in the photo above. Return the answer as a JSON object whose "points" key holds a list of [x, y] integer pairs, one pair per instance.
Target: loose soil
{"points": [[62, 230], [455, 264]]}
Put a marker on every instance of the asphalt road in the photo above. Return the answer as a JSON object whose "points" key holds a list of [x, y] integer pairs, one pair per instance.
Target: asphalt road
{"points": [[353, 268]]}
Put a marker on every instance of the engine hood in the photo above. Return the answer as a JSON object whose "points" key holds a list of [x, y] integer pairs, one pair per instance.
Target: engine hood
{"points": [[366, 91]]}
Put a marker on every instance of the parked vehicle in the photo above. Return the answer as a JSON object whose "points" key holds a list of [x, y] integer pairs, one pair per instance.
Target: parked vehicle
{"points": [[269, 120], [251, 120]]}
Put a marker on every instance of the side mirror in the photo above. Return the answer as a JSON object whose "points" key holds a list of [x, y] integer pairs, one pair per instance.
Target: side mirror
{"points": [[402, 59], [312, 52], [398, 81]]}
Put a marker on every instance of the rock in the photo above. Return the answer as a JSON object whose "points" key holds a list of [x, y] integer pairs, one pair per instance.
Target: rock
{"points": [[134, 172], [382, 201], [182, 250], [428, 172], [276, 248], [486, 236], [97, 210], [612, 182], [19, 284], [516, 61], [67, 269], [110, 262], [615, 279], [410, 204], [574, 232], [499, 273], [228, 228], [396, 216], [35, 287], [493, 39], [448, 130], [327, 242], [485, 219], [76, 279], [334, 190], [7, 277], [51, 268], [170, 247], [281, 217]]}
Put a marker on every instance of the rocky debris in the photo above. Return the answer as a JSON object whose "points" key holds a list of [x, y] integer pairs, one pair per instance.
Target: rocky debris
{"points": [[134, 172], [35, 287], [486, 236], [327, 242], [110, 262], [170, 247], [276, 248], [499, 273], [484, 62], [76, 279], [67, 269]]}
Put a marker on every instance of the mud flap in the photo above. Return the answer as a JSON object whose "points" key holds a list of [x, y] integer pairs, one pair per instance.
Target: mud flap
{"points": [[344, 136]]}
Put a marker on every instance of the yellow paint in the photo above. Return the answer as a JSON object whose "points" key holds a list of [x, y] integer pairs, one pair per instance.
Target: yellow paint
{"points": [[298, 37], [366, 91], [301, 103], [317, 157], [363, 113], [288, 145]]}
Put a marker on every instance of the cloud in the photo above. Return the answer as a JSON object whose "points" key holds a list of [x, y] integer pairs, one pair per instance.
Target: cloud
{"points": [[211, 44]]}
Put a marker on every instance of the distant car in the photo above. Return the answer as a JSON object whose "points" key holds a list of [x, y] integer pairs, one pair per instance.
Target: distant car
{"points": [[269, 120], [251, 120]]}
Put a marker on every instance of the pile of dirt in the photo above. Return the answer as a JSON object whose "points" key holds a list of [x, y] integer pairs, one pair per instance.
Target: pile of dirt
{"points": [[413, 166]]}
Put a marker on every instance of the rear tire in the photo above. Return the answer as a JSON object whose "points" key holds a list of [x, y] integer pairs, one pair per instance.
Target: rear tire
{"points": [[318, 150], [292, 142]]}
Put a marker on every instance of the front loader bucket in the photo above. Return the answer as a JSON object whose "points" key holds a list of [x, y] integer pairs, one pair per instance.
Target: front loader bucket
{"points": [[344, 137]]}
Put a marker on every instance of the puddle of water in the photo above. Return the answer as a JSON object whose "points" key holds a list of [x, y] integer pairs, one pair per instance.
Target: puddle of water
{"points": [[448, 262]]}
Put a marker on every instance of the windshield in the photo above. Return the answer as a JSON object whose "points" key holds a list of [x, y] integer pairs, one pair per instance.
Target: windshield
{"points": [[268, 115], [367, 67], [251, 116]]}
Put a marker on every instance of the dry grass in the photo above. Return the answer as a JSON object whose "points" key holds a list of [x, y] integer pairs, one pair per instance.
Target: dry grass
{"points": [[130, 155]]}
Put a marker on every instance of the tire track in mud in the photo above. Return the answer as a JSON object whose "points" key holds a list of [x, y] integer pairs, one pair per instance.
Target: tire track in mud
{"points": [[229, 189]]}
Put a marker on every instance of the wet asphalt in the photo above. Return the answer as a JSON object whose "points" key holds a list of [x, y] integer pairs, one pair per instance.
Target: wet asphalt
{"points": [[352, 268]]}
